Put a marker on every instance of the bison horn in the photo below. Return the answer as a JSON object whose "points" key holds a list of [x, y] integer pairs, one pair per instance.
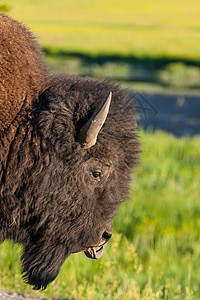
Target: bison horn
{"points": [[89, 132]]}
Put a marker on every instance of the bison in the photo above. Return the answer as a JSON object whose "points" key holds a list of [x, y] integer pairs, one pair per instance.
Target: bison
{"points": [[67, 149]]}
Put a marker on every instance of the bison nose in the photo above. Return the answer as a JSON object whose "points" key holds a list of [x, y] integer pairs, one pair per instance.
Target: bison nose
{"points": [[105, 237]]}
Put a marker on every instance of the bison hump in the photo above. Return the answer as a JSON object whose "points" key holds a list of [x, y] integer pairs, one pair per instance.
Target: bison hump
{"points": [[23, 71]]}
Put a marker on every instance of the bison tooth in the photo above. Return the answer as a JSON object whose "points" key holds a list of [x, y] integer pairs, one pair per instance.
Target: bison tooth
{"points": [[90, 253], [93, 254]]}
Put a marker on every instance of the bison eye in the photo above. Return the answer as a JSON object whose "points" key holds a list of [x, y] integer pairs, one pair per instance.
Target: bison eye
{"points": [[96, 174]]}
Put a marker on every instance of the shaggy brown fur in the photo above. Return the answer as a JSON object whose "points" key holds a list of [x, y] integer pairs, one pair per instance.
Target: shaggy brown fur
{"points": [[23, 71], [50, 198]]}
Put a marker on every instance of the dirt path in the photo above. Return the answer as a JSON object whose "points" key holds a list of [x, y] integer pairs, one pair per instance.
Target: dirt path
{"points": [[15, 296]]}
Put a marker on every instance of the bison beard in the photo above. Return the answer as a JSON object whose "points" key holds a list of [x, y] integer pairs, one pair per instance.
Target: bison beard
{"points": [[42, 267], [67, 150]]}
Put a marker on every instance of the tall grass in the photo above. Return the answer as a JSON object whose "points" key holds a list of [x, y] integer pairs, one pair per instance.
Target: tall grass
{"points": [[155, 249]]}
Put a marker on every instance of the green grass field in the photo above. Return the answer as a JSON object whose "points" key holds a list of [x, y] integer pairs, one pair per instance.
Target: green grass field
{"points": [[138, 41], [155, 249], [148, 28]]}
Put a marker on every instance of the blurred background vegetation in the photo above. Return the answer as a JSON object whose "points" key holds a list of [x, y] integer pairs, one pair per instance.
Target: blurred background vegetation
{"points": [[148, 42], [4, 7], [149, 46]]}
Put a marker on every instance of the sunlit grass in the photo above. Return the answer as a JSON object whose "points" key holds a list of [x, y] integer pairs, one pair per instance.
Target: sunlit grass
{"points": [[151, 28], [155, 249], [154, 41]]}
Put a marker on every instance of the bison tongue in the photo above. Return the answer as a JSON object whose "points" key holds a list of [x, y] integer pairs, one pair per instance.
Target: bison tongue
{"points": [[93, 254]]}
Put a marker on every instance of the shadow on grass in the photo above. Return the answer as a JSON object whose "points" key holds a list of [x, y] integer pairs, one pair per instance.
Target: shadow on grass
{"points": [[165, 71], [158, 62]]}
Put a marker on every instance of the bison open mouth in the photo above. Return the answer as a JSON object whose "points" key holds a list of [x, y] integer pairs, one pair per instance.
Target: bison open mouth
{"points": [[93, 253]]}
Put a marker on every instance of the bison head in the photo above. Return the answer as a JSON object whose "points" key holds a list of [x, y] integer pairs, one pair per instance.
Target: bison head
{"points": [[71, 170]]}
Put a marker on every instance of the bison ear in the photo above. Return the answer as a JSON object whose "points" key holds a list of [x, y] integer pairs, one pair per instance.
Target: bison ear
{"points": [[88, 134]]}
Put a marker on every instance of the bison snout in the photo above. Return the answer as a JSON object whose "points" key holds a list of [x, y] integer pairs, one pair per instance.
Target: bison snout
{"points": [[92, 253], [105, 237]]}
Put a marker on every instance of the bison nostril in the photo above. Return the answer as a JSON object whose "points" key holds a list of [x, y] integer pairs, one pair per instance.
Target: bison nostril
{"points": [[106, 236]]}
